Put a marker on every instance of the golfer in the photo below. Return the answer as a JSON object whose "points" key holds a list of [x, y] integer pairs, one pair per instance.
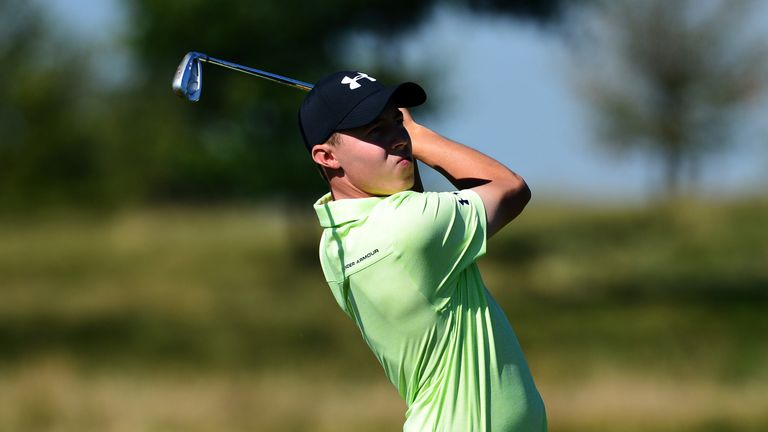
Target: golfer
{"points": [[401, 262]]}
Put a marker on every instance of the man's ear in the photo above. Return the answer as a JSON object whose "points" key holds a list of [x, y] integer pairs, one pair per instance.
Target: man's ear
{"points": [[323, 155]]}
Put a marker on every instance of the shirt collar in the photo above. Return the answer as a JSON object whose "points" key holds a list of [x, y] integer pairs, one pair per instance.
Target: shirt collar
{"points": [[335, 213]]}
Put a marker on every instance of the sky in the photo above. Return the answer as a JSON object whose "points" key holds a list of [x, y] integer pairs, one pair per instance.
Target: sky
{"points": [[509, 93], [496, 63]]}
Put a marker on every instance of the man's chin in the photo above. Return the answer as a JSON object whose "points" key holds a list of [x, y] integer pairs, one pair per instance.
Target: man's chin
{"points": [[403, 188]]}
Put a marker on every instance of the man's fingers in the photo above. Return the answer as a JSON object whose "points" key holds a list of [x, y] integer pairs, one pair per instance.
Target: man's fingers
{"points": [[407, 119]]}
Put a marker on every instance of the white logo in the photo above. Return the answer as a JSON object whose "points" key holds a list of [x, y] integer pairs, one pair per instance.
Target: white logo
{"points": [[353, 82]]}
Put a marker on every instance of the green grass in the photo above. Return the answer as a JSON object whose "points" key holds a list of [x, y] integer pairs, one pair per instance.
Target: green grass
{"points": [[631, 319]]}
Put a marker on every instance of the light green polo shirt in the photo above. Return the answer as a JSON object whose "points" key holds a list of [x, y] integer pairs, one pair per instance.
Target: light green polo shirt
{"points": [[403, 268]]}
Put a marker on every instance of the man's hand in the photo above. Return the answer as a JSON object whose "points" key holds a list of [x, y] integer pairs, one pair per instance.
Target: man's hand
{"points": [[408, 122], [503, 192]]}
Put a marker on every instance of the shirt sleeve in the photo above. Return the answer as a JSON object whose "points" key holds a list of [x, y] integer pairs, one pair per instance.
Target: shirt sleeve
{"points": [[439, 235]]}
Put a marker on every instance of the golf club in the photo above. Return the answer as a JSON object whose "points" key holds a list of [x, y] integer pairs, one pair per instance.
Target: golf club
{"points": [[188, 80]]}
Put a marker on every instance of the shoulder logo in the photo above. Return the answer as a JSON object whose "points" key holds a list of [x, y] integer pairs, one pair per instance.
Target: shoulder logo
{"points": [[353, 82], [462, 201]]}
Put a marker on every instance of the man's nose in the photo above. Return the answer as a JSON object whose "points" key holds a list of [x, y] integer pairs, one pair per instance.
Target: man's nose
{"points": [[399, 139]]}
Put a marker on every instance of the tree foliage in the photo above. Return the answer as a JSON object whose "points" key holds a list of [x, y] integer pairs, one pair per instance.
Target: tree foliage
{"points": [[67, 139], [249, 127], [43, 118], [670, 78]]}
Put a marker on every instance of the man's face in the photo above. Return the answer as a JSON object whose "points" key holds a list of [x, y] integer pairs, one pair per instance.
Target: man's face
{"points": [[376, 158]]}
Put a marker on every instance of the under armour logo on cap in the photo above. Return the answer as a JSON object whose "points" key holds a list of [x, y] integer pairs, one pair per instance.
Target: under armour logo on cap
{"points": [[353, 82], [349, 99]]}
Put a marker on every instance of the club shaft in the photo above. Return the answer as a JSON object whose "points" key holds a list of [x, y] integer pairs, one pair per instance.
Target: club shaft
{"points": [[256, 72]]}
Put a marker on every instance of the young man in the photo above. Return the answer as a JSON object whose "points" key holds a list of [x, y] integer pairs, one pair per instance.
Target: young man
{"points": [[401, 262]]}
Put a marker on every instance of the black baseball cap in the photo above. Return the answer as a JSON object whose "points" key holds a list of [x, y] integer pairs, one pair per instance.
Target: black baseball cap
{"points": [[349, 99]]}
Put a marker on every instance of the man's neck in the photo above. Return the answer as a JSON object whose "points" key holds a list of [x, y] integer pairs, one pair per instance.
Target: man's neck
{"points": [[341, 189]]}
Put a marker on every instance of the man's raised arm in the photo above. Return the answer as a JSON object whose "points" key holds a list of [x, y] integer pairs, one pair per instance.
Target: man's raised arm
{"points": [[503, 192]]}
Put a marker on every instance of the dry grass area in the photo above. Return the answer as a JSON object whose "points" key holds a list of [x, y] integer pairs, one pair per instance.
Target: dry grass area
{"points": [[640, 403], [52, 395], [218, 320]]}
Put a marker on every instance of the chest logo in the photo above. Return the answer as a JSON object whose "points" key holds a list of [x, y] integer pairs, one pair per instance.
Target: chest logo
{"points": [[351, 264]]}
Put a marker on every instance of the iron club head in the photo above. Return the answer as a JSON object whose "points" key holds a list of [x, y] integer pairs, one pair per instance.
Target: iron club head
{"points": [[188, 80]]}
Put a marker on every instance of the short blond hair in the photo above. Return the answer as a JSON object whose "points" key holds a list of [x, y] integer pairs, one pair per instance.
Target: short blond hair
{"points": [[334, 140]]}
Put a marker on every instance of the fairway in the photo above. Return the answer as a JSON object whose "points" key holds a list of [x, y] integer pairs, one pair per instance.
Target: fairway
{"points": [[219, 320]]}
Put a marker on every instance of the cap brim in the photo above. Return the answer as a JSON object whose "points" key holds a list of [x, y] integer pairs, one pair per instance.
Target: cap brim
{"points": [[405, 95]]}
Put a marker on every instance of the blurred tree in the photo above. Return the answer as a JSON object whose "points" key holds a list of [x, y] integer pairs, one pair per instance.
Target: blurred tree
{"points": [[67, 137], [48, 153], [242, 138], [670, 78]]}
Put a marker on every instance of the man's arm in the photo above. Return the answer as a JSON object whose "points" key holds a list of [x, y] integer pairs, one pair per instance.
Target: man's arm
{"points": [[503, 192]]}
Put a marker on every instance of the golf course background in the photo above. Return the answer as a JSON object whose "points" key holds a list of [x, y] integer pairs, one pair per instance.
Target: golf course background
{"points": [[158, 258], [218, 319]]}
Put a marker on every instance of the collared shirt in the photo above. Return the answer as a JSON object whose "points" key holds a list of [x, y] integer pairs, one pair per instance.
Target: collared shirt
{"points": [[403, 268]]}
